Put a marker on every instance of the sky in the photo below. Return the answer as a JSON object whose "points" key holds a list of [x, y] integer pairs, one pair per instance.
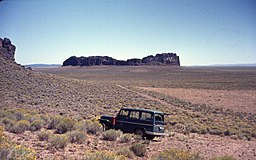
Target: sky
{"points": [[201, 32]]}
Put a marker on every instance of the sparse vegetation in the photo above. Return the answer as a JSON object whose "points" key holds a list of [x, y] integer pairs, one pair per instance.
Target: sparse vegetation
{"points": [[103, 155], [36, 125], [139, 149], [93, 127], [176, 154], [77, 136], [65, 125], [111, 135], [124, 138], [20, 126], [9, 150], [126, 152], [58, 141], [43, 135]]}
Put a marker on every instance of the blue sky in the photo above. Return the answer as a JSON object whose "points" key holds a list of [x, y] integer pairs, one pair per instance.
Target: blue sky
{"points": [[201, 32]]}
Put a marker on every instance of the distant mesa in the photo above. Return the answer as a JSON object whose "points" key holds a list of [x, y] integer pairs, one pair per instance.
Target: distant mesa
{"points": [[159, 59]]}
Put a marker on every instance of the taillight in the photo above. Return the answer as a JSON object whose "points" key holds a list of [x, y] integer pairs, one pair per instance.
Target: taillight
{"points": [[114, 121]]}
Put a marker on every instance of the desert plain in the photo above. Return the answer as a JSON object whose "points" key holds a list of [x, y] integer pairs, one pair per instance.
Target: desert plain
{"points": [[211, 110]]}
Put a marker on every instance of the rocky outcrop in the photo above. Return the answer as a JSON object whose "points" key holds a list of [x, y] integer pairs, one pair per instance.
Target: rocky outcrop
{"points": [[159, 59], [7, 49]]}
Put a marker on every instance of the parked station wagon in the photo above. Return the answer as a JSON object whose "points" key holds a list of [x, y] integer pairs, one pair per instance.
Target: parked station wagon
{"points": [[144, 122]]}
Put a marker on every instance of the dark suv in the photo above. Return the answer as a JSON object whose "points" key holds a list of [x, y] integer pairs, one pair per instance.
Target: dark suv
{"points": [[144, 122]]}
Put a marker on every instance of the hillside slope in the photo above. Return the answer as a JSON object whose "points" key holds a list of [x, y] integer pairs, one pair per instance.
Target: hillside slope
{"points": [[24, 88]]}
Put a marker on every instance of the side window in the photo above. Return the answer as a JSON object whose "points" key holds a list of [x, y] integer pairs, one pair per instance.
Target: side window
{"points": [[146, 116], [135, 114], [124, 113]]}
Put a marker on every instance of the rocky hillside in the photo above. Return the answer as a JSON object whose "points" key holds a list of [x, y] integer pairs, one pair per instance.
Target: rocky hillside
{"points": [[159, 59], [7, 49], [42, 92]]}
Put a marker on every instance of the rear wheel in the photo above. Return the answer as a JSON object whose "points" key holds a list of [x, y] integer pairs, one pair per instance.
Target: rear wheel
{"points": [[140, 132], [150, 137]]}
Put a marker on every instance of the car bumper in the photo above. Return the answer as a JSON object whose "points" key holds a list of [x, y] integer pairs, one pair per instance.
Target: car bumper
{"points": [[155, 133]]}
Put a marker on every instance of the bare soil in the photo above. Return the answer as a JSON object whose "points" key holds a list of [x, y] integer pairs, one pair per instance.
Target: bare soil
{"points": [[236, 100]]}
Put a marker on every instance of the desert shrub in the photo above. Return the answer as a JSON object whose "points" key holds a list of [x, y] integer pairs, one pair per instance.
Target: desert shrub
{"points": [[20, 126], [77, 136], [9, 150], [36, 125], [1, 133], [65, 125], [137, 137], [139, 149], [126, 152], [44, 119], [124, 138], [19, 115], [58, 141], [103, 155], [175, 154], [54, 121], [7, 114], [43, 135], [93, 127], [8, 123], [111, 135], [223, 158]]}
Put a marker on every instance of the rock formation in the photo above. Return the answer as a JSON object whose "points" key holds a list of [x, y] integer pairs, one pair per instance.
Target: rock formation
{"points": [[7, 49], [159, 59]]}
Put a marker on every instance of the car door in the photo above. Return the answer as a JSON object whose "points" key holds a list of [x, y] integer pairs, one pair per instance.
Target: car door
{"points": [[121, 120]]}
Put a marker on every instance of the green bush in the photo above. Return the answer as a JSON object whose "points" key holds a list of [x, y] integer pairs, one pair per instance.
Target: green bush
{"points": [[175, 154], [36, 125], [126, 138], [58, 141], [126, 152], [139, 149], [111, 135], [103, 155], [77, 136], [223, 158], [43, 136], [65, 125], [20, 126]]}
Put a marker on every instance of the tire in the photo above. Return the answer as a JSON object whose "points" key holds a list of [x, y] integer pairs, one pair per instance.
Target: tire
{"points": [[150, 137], [140, 132]]}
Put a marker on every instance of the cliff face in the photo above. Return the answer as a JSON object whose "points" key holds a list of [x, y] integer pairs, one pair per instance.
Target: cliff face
{"points": [[7, 49], [159, 59]]}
